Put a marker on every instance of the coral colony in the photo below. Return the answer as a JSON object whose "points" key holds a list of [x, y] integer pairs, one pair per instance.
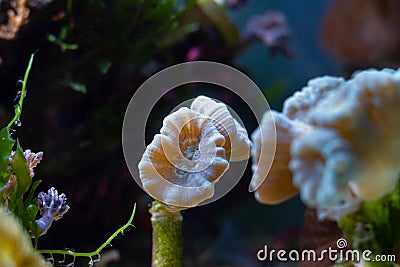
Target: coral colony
{"points": [[337, 142], [337, 146]]}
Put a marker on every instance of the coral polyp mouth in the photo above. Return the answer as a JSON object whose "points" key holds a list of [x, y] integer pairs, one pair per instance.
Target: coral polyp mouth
{"points": [[191, 151]]}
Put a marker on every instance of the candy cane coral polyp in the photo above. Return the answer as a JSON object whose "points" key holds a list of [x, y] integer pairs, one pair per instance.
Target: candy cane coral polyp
{"points": [[274, 185], [193, 150], [184, 161]]}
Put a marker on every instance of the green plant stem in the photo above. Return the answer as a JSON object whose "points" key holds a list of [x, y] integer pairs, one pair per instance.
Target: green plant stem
{"points": [[18, 107], [167, 247], [97, 251]]}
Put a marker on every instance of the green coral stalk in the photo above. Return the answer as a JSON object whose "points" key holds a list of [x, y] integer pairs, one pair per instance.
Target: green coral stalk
{"points": [[167, 248]]}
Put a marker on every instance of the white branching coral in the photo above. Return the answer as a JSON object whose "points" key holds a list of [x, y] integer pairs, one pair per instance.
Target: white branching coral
{"points": [[351, 149], [193, 150]]}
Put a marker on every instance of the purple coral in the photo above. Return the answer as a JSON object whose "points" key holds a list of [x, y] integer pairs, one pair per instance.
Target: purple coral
{"points": [[272, 29], [52, 207]]}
